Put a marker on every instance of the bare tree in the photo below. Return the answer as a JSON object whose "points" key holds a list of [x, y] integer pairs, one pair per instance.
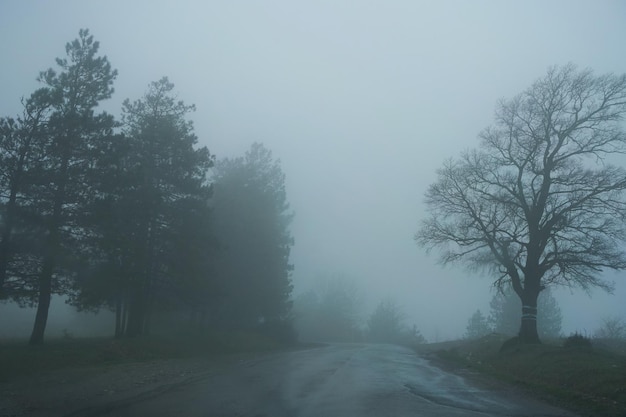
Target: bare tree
{"points": [[539, 203], [612, 328]]}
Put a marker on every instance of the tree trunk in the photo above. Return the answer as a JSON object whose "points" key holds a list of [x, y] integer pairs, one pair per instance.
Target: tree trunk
{"points": [[528, 329], [148, 309], [50, 258], [43, 302], [124, 314], [147, 290], [45, 278], [136, 314], [118, 317], [4, 262]]}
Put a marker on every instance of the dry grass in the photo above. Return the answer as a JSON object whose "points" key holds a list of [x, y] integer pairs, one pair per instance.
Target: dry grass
{"points": [[589, 380], [17, 359]]}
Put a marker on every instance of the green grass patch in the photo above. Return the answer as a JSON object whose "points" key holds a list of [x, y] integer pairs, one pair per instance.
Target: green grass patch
{"points": [[18, 359], [592, 380]]}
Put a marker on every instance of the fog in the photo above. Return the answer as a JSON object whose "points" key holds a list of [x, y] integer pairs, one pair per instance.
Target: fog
{"points": [[361, 100]]}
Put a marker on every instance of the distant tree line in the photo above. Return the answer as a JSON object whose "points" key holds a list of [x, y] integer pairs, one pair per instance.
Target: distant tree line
{"points": [[127, 214], [332, 312]]}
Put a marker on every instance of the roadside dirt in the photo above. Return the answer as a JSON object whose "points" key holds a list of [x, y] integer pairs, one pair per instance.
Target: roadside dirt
{"points": [[73, 392]]}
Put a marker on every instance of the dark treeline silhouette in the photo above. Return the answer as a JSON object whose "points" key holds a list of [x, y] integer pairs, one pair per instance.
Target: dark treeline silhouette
{"points": [[126, 214]]}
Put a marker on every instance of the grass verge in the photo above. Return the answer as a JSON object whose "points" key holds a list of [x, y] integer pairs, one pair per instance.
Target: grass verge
{"points": [[589, 380], [17, 359]]}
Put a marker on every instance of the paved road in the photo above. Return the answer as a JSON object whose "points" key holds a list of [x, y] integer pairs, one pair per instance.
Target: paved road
{"points": [[337, 380]]}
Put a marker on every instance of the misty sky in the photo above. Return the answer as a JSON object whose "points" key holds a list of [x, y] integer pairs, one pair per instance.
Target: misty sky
{"points": [[361, 100]]}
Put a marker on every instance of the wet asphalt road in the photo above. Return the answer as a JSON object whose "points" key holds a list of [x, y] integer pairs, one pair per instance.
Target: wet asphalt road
{"points": [[336, 380]]}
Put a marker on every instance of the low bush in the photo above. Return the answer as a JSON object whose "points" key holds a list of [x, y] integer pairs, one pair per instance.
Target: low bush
{"points": [[577, 340]]}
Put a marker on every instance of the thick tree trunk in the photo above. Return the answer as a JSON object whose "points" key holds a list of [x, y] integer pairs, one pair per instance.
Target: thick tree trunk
{"points": [[528, 329]]}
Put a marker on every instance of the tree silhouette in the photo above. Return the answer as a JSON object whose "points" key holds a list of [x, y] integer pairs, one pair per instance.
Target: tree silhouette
{"points": [[61, 182], [540, 203], [477, 326], [252, 218]]}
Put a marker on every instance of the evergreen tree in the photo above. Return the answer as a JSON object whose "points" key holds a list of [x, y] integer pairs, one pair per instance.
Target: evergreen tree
{"points": [[60, 175], [252, 218], [477, 326], [21, 144], [153, 233], [386, 323]]}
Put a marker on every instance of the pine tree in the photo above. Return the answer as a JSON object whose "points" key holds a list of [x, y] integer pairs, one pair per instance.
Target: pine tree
{"points": [[61, 175], [387, 323], [477, 326], [20, 148], [152, 235], [252, 219]]}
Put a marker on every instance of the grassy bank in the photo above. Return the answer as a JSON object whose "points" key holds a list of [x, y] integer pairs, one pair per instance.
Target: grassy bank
{"points": [[591, 380], [17, 359]]}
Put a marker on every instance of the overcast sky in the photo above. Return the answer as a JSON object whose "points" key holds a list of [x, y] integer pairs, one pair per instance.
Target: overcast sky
{"points": [[361, 100]]}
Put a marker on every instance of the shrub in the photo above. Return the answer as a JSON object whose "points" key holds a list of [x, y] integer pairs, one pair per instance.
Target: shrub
{"points": [[612, 328], [510, 344], [577, 340]]}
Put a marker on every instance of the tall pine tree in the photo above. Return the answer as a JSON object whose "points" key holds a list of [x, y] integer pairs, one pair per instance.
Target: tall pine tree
{"points": [[252, 220], [60, 187], [157, 188], [21, 146]]}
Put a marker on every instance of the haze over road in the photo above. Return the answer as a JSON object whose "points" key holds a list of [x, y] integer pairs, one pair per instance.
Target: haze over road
{"points": [[336, 380]]}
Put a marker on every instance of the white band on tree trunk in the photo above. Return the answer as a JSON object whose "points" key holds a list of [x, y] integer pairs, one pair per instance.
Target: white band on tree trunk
{"points": [[529, 313]]}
